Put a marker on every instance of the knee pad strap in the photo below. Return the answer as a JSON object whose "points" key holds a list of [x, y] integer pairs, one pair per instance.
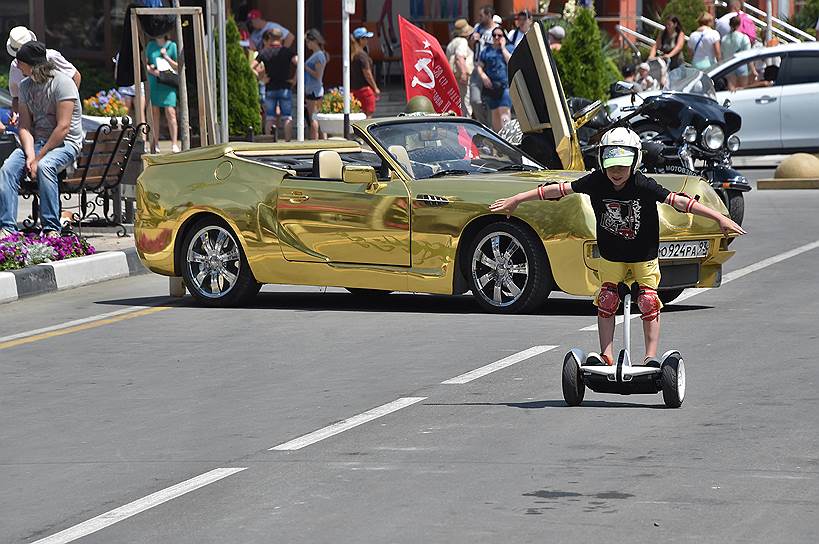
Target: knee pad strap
{"points": [[649, 303], [608, 300]]}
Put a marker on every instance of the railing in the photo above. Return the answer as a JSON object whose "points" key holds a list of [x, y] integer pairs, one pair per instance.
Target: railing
{"points": [[774, 20], [640, 37]]}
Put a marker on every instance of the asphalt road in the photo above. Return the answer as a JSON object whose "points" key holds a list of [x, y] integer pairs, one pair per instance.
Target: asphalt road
{"points": [[140, 409]]}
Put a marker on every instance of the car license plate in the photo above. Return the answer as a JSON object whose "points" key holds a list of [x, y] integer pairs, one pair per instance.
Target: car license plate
{"points": [[692, 249]]}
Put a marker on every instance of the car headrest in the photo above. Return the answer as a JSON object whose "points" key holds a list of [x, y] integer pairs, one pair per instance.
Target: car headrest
{"points": [[401, 155], [327, 164]]}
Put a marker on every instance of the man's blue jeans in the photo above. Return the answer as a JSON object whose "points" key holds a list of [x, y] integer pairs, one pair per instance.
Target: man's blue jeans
{"points": [[14, 171]]}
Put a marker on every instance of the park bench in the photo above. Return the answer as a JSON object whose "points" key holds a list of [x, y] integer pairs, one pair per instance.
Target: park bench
{"points": [[96, 178]]}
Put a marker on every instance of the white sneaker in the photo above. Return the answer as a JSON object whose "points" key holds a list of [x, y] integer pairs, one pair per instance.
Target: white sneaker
{"points": [[175, 148]]}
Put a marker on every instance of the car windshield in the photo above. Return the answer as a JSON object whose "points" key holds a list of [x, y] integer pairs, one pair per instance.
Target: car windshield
{"points": [[439, 147], [690, 80]]}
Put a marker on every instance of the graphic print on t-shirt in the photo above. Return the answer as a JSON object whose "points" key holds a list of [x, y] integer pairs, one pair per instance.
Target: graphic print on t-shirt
{"points": [[621, 217]]}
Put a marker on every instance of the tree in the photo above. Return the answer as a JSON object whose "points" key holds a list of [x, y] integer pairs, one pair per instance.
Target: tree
{"points": [[806, 17], [688, 11], [581, 61], [242, 87]]}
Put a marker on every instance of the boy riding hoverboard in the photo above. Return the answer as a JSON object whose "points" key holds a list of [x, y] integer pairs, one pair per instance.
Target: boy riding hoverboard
{"points": [[628, 233]]}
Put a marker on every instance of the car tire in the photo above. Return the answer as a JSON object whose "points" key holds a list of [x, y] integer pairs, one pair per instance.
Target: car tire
{"points": [[672, 380], [508, 269], [668, 295], [216, 276], [573, 388], [367, 292]]}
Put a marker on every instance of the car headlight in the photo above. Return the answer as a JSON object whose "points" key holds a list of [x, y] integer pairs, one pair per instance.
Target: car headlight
{"points": [[713, 137], [733, 143], [689, 134]]}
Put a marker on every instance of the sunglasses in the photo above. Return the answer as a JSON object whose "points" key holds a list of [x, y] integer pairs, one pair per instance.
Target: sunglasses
{"points": [[497, 35]]}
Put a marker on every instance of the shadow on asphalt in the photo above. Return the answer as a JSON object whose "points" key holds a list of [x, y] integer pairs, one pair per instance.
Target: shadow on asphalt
{"points": [[553, 404], [396, 302]]}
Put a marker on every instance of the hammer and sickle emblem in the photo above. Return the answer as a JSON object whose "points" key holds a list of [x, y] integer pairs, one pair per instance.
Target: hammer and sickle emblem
{"points": [[423, 64]]}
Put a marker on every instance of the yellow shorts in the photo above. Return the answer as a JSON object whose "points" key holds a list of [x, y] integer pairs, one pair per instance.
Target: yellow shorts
{"points": [[645, 273]]}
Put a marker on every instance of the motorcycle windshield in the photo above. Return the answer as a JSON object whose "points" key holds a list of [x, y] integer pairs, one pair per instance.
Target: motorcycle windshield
{"points": [[691, 81]]}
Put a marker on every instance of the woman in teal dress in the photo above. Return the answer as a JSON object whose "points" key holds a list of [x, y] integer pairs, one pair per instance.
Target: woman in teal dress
{"points": [[161, 55]]}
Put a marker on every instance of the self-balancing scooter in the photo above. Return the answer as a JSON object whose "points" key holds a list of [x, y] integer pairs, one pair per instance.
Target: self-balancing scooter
{"points": [[581, 370]]}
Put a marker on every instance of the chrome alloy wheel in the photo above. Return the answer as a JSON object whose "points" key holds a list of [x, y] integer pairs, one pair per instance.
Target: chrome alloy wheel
{"points": [[500, 269], [213, 261]]}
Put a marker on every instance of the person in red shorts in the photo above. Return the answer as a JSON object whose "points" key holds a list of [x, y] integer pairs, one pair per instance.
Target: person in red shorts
{"points": [[362, 80]]}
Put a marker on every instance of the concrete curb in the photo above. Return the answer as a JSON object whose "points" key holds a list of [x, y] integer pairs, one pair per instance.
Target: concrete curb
{"points": [[787, 183], [68, 274]]}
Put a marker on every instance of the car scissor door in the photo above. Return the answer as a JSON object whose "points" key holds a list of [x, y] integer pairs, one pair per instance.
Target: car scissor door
{"points": [[540, 105], [324, 220]]}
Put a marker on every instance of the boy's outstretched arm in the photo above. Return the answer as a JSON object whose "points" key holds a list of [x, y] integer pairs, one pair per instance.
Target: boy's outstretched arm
{"points": [[542, 192], [686, 204]]}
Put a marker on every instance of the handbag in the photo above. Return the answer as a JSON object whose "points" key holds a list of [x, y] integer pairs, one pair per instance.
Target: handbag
{"points": [[169, 78]]}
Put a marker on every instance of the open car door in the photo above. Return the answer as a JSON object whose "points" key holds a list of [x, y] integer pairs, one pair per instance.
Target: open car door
{"points": [[541, 108]]}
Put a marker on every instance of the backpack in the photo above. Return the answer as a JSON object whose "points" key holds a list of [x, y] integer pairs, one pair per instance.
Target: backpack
{"points": [[747, 27]]}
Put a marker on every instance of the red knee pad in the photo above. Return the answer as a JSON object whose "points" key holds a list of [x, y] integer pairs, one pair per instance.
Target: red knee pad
{"points": [[649, 303], [608, 300]]}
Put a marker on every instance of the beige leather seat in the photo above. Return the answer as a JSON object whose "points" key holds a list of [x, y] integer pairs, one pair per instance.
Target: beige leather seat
{"points": [[327, 164], [401, 155]]}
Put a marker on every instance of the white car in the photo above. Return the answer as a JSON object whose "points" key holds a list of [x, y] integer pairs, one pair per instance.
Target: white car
{"points": [[781, 116]]}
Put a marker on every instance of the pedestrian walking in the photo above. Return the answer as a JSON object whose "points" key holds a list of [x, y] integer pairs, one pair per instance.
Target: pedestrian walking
{"points": [[163, 81], [523, 22], [556, 35], [273, 65], [362, 81], [259, 25], [704, 43], [314, 77], [731, 44], [462, 61], [481, 38], [669, 43], [746, 25], [50, 135], [492, 69], [19, 36]]}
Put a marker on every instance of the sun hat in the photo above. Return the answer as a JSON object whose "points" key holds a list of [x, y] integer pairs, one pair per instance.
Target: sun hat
{"points": [[497, 19], [557, 32], [362, 32], [18, 36], [644, 66], [617, 156], [462, 28], [32, 53]]}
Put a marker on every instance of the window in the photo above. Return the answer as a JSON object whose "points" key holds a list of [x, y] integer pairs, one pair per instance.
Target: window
{"points": [[761, 72], [802, 68]]}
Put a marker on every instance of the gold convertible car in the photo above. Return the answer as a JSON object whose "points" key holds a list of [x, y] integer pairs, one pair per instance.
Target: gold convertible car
{"points": [[404, 209]]}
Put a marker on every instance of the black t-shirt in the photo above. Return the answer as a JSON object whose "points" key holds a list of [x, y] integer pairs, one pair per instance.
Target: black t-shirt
{"points": [[277, 62], [361, 62], [628, 225]]}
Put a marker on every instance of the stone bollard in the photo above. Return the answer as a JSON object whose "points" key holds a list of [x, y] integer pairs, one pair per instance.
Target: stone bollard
{"points": [[176, 287]]}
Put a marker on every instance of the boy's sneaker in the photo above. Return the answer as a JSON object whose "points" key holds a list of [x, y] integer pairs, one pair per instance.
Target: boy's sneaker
{"points": [[597, 359], [652, 362], [52, 234]]}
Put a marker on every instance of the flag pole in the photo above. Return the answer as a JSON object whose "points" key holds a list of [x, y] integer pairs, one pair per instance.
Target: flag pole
{"points": [[346, 9], [300, 72]]}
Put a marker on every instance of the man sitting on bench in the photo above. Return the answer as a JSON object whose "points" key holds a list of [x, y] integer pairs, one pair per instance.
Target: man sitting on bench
{"points": [[50, 135]]}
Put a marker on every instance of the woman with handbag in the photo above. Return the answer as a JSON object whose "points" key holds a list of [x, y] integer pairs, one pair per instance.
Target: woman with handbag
{"points": [[493, 73], [164, 81], [704, 44]]}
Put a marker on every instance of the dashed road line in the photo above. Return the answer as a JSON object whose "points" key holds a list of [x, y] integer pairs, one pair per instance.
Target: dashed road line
{"points": [[140, 505], [347, 424], [731, 276], [497, 365]]}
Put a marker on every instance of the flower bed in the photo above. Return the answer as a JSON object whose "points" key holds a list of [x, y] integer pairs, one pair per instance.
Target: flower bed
{"points": [[21, 250]]}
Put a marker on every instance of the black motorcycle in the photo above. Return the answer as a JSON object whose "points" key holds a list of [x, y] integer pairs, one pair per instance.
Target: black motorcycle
{"points": [[684, 131]]}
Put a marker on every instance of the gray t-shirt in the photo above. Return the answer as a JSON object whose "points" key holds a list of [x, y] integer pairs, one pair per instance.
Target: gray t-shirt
{"points": [[42, 100]]}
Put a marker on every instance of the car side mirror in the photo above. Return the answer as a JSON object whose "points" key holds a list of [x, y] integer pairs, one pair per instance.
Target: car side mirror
{"points": [[353, 173], [624, 87]]}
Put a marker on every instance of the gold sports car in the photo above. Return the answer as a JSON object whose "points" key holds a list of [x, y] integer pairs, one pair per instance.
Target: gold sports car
{"points": [[405, 210]]}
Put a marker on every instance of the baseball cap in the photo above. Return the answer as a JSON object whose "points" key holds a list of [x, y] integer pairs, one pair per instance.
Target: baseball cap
{"points": [[254, 14], [18, 36], [362, 32], [617, 156]]}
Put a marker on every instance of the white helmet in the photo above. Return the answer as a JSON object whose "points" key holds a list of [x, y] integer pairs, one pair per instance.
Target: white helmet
{"points": [[620, 146]]}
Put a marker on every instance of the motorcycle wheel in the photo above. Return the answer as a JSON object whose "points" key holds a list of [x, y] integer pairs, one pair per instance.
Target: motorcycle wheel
{"points": [[736, 206]]}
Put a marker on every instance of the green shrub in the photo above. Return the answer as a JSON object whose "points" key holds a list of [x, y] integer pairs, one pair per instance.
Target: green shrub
{"points": [[242, 87], [584, 70], [688, 11], [94, 78], [4, 77], [805, 18]]}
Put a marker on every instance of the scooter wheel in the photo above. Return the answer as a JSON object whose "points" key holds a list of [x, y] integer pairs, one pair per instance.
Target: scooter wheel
{"points": [[673, 382], [573, 387]]}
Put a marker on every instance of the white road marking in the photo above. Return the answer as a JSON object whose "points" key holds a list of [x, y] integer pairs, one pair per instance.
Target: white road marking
{"points": [[347, 424], [140, 505], [731, 276], [497, 365], [73, 323]]}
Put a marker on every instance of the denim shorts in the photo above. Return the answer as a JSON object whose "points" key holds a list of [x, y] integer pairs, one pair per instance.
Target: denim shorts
{"points": [[278, 97], [503, 102]]}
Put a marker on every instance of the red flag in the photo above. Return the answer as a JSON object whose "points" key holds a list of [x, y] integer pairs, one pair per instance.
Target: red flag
{"points": [[426, 69]]}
